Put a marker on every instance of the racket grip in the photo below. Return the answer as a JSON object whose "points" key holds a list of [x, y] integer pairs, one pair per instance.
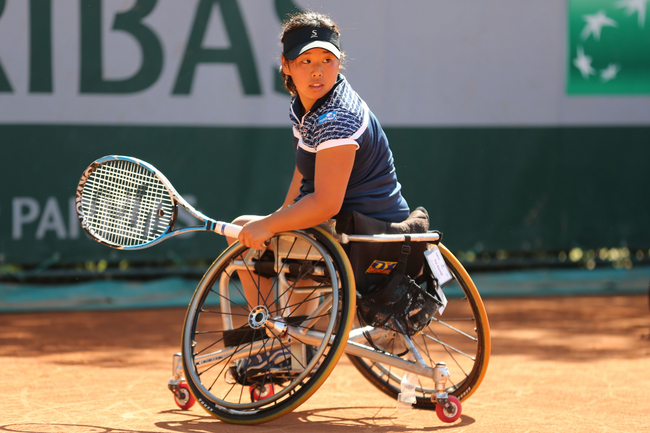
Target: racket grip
{"points": [[228, 229]]}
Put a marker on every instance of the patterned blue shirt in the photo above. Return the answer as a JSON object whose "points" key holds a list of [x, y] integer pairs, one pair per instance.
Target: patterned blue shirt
{"points": [[342, 117]]}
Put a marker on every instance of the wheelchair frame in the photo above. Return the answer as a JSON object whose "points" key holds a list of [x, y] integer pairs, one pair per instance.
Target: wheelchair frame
{"points": [[375, 364]]}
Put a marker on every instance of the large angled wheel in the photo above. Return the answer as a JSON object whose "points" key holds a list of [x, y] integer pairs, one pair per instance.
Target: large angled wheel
{"points": [[460, 337], [232, 346]]}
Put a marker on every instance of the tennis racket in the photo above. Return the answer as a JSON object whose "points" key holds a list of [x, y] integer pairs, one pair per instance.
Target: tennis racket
{"points": [[126, 203]]}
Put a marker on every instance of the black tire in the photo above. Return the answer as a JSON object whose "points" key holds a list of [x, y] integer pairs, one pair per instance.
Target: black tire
{"points": [[210, 347], [460, 338]]}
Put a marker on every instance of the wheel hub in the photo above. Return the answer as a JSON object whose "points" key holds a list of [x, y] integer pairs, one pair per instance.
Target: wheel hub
{"points": [[258, 317]]}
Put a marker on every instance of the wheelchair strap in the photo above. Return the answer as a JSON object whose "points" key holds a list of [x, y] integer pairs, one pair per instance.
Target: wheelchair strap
{"points": [[403, 256]]}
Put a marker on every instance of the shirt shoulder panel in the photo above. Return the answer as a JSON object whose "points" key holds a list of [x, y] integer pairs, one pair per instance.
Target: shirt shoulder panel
{"points": [[343, 116]]}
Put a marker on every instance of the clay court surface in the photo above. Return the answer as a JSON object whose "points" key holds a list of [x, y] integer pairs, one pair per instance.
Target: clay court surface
{"points": [[562, 364]]}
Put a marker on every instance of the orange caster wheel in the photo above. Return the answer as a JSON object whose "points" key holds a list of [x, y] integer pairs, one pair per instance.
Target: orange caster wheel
{"points": [[183, 398], [451, 411]]}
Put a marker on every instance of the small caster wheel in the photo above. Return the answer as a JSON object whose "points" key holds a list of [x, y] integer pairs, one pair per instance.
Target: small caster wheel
{"points": [[261, 392], [186, 399], [447, 416]]}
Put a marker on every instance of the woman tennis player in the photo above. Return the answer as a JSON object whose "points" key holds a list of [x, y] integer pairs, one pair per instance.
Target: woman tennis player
{"points": [[343, 161]]}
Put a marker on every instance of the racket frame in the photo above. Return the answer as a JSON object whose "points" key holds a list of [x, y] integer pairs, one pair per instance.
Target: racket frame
{"points": [[209, 224]]}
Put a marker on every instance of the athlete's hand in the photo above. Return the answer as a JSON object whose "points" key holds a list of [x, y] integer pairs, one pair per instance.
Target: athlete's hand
{"points": [[255, 233]]}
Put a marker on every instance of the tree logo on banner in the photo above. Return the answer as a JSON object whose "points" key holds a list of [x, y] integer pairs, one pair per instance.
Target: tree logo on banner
{"points": [[609, 47]]}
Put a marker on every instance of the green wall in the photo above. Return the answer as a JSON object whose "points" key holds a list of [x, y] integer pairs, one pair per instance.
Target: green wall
{"points": [[522, 189], [487, 189]]}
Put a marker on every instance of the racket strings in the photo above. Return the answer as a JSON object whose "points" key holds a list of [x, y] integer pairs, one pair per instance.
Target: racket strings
{"points": [[126, 204], [125, 200]]}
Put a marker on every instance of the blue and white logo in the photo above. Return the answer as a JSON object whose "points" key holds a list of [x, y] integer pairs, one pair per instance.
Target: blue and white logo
{"points": [[326, 117]]}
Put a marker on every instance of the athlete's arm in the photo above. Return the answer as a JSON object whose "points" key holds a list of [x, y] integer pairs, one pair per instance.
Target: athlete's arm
{"points": [[331, 177]]}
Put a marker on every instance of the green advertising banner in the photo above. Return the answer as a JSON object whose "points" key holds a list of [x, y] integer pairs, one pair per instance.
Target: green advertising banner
{"points": [[608, 47], [487, 189]]}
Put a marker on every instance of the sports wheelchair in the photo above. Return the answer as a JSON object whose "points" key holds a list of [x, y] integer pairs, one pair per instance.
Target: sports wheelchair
{"points": [[444, 363]]}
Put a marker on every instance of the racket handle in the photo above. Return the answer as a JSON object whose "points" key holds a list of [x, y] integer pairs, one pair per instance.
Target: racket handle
{"points": [[227, 229]]}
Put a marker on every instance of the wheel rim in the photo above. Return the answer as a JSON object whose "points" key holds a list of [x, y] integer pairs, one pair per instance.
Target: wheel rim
{"points": [[185, 397]]}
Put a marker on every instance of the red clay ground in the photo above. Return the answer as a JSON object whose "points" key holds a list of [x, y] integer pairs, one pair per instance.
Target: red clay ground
{"points": [[569, 364]]}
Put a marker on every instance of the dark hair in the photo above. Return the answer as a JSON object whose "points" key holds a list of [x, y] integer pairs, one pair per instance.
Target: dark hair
{"points": [[298, 21]]}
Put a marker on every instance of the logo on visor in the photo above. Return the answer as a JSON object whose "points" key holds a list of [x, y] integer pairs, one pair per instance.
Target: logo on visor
{"points": [[327, 117]]}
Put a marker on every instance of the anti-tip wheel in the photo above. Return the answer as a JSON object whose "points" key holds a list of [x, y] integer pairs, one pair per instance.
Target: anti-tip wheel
{"points": [[186, 399], [261, 392], [445, 415]]}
